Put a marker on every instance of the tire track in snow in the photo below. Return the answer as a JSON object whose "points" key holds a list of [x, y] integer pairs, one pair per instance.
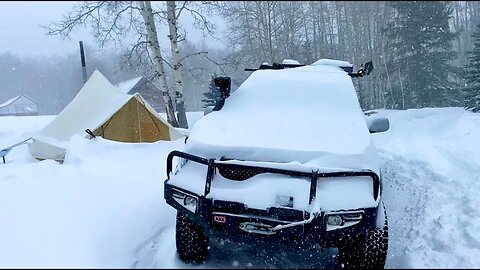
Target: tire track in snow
{"points": [[467, 174], [441, 228], [405, 198]]}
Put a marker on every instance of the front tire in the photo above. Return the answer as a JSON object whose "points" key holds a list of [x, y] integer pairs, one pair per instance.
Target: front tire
{"points": [[190, 239], [367, 250]]}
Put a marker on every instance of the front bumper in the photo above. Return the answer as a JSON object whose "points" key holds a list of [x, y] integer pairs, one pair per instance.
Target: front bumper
{"points": [[235, 221]]}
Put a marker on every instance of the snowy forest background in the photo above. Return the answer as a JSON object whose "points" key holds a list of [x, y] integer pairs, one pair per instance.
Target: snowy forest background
{"points": [[425, 53]]}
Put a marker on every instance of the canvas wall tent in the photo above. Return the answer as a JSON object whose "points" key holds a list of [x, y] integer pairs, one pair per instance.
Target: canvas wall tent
{"points": [[108, 113]]}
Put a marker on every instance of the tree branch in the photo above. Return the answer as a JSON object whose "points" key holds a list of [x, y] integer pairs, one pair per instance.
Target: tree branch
{"points": [[192, 54], [69, 22]]}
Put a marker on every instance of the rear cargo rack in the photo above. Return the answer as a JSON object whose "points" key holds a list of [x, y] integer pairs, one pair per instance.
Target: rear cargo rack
{"points": [[312, 176]]}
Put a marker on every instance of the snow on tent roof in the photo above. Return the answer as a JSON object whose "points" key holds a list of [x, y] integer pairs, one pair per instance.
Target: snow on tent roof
{"points": [[127, 85], [308, 114], [8, 102], [96, 103]]}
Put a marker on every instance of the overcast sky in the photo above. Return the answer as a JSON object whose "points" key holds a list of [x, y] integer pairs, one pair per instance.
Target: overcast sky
{"points": [[21, 34]]}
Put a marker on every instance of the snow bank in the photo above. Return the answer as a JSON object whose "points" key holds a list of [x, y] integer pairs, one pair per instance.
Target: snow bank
{"points": [[92, 211], [431, 169], [95, 210]]}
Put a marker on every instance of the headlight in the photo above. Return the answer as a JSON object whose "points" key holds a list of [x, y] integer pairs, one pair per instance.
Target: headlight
{"points": [[189, 202], [334, 220], [340, 220]]}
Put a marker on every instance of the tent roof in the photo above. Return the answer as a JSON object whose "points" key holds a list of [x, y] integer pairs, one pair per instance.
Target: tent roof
{"points": [[127, 86], [10, 101], [97, 101]]}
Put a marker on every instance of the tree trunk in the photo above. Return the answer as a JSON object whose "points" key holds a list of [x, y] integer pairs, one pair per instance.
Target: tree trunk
{"points": [[172, 28], [154, 46], [269, 31]]}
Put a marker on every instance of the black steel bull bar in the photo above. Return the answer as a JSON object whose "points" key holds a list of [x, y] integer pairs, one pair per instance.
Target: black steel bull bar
{"points": [[312, 176]]}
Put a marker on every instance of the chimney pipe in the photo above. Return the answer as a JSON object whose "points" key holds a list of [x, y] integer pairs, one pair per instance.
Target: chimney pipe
{"points": [[82, 57]]}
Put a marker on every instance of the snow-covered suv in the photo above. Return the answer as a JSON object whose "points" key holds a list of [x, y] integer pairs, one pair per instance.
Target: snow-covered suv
{"points": [[288, 157]]}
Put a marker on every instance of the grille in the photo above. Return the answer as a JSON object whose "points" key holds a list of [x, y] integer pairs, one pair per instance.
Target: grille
{"points": [[238, 173]]}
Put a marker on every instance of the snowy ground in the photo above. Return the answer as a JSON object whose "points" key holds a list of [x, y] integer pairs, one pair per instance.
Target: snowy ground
{"points": [[104, 206], [432, 172]]}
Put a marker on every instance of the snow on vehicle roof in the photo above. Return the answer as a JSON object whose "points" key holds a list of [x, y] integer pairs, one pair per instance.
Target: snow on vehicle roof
{"points": [[290, 62], [308, 114], [331, 62]]}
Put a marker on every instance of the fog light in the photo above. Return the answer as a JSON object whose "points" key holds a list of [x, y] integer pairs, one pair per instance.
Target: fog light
{"points": [[189, 201], [334, 220]]}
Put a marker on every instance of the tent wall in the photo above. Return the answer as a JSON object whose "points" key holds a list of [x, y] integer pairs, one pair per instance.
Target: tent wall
{"points": [[133, 123]]}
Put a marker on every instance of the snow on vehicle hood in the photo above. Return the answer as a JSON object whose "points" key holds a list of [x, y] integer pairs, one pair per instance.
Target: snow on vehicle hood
{"points": [[309, 115]]}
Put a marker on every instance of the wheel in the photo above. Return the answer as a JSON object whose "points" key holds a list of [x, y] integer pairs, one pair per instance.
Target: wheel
{"points": [[367, 250], [376, 247], [190, 239]]}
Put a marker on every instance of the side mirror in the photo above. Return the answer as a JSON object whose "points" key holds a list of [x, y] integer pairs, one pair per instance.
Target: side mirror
{"points": [[223, 84], [365, 70], [377, 124], [368, 67]]}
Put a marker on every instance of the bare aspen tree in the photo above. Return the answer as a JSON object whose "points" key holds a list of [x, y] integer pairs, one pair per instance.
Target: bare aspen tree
{"points": [[154, 46], [173, 36]]}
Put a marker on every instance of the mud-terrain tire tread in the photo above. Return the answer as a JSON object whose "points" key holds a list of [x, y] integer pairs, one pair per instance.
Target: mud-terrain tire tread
{"points": [[365, 251], [190, 239]]}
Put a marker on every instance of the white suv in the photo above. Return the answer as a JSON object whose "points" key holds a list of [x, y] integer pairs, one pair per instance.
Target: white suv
{"points": [[286, 158]]}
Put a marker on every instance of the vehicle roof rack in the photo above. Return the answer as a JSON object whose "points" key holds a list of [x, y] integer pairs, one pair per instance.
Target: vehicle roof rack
{"points": [[365, 69]]}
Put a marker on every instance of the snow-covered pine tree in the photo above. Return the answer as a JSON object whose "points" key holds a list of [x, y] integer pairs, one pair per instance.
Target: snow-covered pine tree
{"points": [[212, 95], [421, 37], [471, 93]]}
